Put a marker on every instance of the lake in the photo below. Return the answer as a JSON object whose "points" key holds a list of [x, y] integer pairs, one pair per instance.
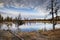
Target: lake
{"points": [[27, 27]]}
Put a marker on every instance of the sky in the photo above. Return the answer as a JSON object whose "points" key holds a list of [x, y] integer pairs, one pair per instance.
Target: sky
{"points": [[27, 8]]}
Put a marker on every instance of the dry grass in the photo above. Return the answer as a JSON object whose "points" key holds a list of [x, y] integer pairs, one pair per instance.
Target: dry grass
{"points": [[53, 34], [46, 35]]}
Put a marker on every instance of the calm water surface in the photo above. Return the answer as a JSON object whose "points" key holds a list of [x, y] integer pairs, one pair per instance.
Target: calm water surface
{"points": [[28, 26]]}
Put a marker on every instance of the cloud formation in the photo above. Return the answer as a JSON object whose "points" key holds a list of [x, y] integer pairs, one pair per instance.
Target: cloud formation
{"points": [[27, 5]]}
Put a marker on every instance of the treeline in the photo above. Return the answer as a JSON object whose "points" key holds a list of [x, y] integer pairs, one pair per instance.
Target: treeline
{"points": [[10, 19], [1, 18]]}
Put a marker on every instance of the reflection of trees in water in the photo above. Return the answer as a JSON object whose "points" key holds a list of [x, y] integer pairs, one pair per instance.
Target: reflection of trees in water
{"points": [[11, 26]]}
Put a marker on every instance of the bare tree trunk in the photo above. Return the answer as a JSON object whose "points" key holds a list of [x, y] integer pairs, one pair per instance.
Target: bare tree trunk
{"points": [[17, 36], [52, 14]]}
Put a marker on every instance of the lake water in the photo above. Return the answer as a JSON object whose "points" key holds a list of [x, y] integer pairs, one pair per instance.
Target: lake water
{"points": [[28, 26]]}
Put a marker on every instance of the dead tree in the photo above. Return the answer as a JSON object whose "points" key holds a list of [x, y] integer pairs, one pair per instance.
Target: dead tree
{"points": [[54, 10], [14, 34]]}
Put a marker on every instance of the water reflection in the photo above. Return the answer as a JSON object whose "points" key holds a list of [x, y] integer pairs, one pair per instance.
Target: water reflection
{"points": [[27, 26]]}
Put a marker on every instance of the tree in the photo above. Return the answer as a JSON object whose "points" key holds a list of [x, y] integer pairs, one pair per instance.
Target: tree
{"points": [[1, 18], [18, 20], [19, 17], [54, 9], [52, 13], [8, 18]]}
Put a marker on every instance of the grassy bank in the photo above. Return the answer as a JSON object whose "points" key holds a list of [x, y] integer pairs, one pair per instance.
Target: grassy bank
{"points": [[39, 35]]}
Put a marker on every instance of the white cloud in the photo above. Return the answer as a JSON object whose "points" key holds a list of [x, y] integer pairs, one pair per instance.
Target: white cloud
{"points": [[41, 11], [38, 5]]}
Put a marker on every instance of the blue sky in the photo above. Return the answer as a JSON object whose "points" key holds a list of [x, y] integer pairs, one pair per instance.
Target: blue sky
{"points": [[28, 10], [25, 7]]}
